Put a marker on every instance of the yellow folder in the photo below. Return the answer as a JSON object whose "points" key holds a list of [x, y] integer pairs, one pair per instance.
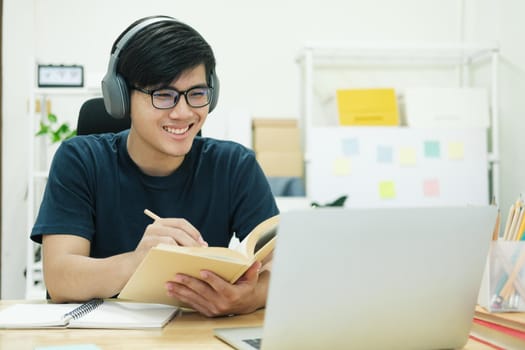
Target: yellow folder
{"points": [[367, 107]]}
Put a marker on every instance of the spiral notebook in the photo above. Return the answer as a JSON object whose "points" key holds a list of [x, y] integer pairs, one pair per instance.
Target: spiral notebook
{"points": [[97, 313]]}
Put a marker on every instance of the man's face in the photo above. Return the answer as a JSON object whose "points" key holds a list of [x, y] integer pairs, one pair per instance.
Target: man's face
{"points": [[157, 134]]}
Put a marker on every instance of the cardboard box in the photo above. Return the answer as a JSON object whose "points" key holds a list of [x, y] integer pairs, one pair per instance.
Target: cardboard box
{"points": [[281, 163], [367, 107], [276, 135]]}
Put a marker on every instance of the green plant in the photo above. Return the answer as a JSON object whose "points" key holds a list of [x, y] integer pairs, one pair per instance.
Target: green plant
{"points": [[57, 132], [339, 202]]}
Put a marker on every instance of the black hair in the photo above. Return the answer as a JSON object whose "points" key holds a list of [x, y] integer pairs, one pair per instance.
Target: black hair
{"points": [[160, 52]]}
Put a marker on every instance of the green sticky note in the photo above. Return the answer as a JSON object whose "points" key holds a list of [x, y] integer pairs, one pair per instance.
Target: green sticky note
{"points": [[432, 149], [387, 190]]}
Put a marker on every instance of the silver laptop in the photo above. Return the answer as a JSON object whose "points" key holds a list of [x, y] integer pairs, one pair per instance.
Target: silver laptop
{"points": [[389, 278]]}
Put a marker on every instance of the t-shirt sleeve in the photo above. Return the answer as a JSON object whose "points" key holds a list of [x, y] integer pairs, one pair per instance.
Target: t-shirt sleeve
{"points": [[68, 203], [253, 200]]}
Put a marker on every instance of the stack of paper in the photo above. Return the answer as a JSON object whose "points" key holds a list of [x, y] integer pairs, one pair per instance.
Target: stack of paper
{"points": [[447, 107]]}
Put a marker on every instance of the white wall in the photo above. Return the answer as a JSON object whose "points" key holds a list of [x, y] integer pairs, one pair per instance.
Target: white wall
{"points": [[256, 44], [503, 21], [17, 51], [511, 31]]}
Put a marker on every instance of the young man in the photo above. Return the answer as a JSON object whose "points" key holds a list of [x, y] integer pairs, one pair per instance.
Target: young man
{"points": [[91, 222]]}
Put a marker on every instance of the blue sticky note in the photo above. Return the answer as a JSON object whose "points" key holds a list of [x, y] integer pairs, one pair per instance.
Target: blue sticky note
{"points": [[350, 146], [432, 149], [384, 154]]}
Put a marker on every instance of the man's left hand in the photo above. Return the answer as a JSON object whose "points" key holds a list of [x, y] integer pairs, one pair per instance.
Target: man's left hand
{"points": [[213, 296]]}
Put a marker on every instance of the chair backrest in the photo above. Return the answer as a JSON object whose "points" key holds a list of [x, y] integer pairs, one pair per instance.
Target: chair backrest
{"points": [[94, 119]]}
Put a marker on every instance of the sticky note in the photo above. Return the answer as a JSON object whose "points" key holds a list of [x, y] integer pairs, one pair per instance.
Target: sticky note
{"points": [[384, 154], [341, 166], [432, 149], [350, 146], [456, 150], [387, 190], [407, 156], [431, 188]]}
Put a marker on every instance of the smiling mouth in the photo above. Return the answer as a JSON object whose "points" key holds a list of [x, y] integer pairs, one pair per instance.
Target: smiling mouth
{"points": [[177, 131]]}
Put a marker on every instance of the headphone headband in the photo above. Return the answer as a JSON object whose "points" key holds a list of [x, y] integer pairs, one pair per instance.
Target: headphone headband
{"points": [[114, 87], [131, 33]]}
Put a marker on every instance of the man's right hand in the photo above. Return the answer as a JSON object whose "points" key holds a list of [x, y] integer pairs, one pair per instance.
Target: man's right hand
{"points": [[170, 231]]}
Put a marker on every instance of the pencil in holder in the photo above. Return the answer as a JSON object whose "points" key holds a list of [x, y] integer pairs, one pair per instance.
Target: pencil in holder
{"points": [[503, 284]]}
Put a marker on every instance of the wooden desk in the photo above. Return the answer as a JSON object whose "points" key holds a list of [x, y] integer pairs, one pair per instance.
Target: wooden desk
{"points": [[187, 331]]}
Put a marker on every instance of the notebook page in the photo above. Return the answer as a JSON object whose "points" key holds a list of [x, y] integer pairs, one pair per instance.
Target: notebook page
{"points": [[114, 314], [35, 315]]}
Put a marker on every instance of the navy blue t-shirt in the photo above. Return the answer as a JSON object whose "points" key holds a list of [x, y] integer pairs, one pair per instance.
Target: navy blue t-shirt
{"points": [[96, 191]]}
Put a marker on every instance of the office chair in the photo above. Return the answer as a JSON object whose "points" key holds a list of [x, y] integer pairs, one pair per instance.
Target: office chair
{"points": [[94, 119]]}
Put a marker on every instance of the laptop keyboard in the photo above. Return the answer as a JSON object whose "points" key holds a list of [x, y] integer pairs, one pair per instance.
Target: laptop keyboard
{"points": [[255, 342]]}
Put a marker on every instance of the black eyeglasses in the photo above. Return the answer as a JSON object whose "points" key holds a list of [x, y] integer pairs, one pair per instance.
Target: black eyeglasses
{"points": [[166, 98]]}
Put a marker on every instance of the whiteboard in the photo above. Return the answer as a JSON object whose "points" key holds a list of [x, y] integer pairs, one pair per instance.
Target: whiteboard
{"points": [[397, 166]]}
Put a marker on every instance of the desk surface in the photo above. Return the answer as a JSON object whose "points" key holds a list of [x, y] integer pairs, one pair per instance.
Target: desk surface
{"points": [[186, 331]]}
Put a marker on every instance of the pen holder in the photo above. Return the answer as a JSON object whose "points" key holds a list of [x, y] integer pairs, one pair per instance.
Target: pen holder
{"points": [[503, 284]]}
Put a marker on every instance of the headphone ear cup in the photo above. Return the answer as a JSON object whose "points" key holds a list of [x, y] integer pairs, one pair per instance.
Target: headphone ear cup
{"points": [[214, 83], [116, 96], [123, 98], [114, 87]]}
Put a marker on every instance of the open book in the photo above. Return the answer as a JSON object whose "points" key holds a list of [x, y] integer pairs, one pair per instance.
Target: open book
{"points": [[147, 284], [97, 313]]}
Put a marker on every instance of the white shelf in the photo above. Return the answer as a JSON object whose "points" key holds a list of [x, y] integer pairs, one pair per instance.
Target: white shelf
{"points": [[40, 174], [35, 288], [439, 53], [459, 57], [79, 91]]}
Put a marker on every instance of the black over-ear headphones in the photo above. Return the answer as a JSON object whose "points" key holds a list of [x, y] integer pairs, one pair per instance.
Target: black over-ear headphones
{"points": [[114, 87]]}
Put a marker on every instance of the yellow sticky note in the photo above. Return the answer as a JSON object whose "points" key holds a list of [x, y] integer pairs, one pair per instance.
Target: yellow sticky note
{"points": [[407, 156], [387, 190], [341, 166], [456, 150]]}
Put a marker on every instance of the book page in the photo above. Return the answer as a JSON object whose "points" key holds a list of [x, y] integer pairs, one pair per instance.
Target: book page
{"points": [[262, 234]]}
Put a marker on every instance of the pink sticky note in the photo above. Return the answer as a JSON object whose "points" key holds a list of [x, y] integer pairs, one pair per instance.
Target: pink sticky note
{"points": [[431, 188]]}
